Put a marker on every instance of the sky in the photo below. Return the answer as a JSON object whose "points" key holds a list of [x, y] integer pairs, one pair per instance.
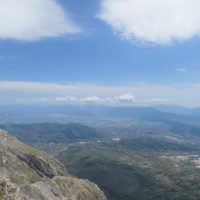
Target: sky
{"points": [[130, 52]]}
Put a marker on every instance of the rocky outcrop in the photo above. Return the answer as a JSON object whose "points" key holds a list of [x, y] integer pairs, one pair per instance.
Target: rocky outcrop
{"points": [[9, 191], [43, 168], [29, 174], [63, 188]]}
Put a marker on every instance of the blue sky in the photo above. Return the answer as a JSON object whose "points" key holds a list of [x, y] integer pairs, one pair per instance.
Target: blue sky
{"points": [[96, 44]]}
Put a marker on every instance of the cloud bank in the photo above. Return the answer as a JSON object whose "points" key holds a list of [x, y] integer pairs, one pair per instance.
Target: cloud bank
{"points": [[140, 94], [152, 21], [123, 98], [128, 97], [31, 20]]}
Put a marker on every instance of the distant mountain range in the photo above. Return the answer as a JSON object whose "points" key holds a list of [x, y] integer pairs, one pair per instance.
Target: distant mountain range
{"points": [[51, 132], [22, 114], [47, 113], [194, 112]]}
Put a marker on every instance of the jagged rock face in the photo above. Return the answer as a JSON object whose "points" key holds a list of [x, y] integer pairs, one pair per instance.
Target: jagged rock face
{"points": [[63, 188], [29, 174], [43, 168], [22, 164], [10, 191]]}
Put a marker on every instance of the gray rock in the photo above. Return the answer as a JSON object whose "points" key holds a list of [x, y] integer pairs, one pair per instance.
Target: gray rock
{"points": [[29, 174]]}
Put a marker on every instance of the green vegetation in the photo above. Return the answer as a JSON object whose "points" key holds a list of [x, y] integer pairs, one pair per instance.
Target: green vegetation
{"points": [[128, 160], [50, 132], [125, 173]]}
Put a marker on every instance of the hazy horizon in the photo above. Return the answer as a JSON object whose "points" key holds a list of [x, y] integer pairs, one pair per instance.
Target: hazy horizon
{"points": [[100, 53]]}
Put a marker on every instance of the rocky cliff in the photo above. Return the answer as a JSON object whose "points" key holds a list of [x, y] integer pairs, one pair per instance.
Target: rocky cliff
{"points": [[29, 174]]}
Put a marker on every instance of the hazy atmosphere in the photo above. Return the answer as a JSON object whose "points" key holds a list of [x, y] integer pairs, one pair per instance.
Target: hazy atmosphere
{"points": [[114, 52]]}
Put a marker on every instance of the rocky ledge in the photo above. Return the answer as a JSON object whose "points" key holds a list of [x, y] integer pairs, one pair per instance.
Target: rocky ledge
{"points": [[29, 174]]}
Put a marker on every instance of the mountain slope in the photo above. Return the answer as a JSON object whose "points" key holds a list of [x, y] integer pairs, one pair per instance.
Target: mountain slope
{"points": [[51, 132], [29, 174]]}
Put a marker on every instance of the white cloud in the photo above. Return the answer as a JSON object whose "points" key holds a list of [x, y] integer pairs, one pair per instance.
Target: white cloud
{"points": [[34, 19], [152, 21], [92, 99], [124, 98], [67, 99], [128, 97], [179, 94], [74, 99], [181, 69]]}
